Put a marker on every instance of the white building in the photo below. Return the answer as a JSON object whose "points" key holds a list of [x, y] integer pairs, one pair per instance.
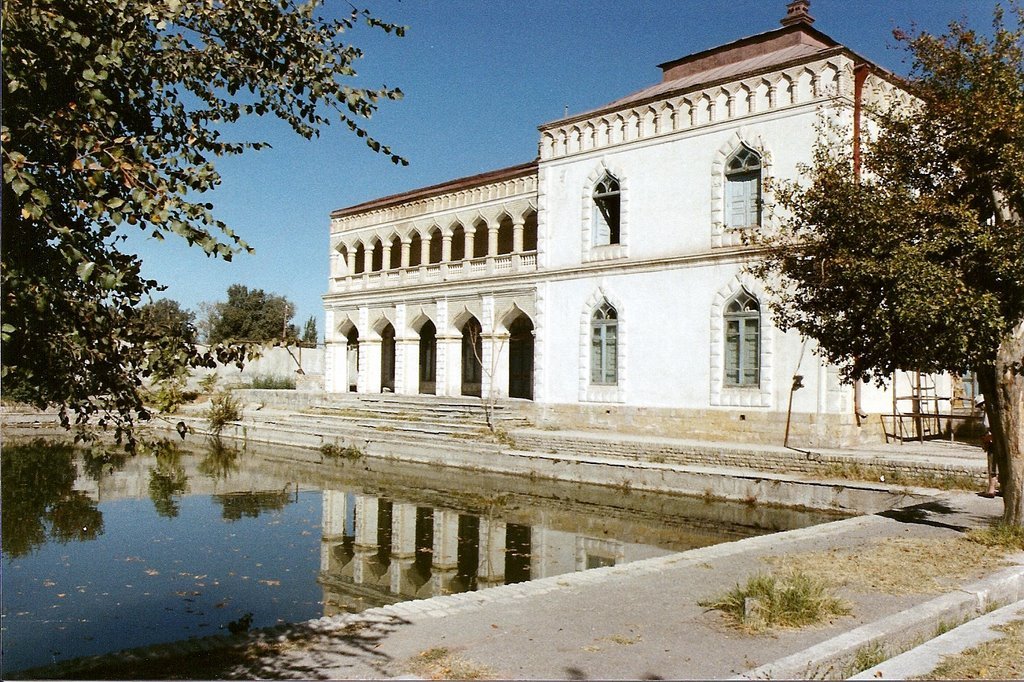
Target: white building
{"points": [[605, 281]]}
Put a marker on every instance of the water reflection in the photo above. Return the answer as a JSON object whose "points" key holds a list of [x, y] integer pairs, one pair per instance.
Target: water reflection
{"points": [[40, 501], [178, 542]]}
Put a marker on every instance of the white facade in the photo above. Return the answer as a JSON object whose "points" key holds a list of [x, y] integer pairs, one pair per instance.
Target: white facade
{"points": [[608, 277]]}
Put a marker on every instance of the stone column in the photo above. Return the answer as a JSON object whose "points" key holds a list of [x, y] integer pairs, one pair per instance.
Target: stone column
{"points": [[403, 547], [369, 365], [518, 227], [424, 253], [366, 537], [367, 261], [406, 251], [333, 525], [470, 242], [351, 265], [386, 258], [446, 550], [491, 571]]}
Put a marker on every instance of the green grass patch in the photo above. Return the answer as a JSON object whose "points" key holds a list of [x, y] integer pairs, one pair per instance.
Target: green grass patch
{"points": [[790, 600], [1001, 535], [269, 381]]}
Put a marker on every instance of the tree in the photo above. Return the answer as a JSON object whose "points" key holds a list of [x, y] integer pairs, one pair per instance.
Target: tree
{"points": [[309, 333], [910, 255], [166, 317], [114, 112], [251, 316]]}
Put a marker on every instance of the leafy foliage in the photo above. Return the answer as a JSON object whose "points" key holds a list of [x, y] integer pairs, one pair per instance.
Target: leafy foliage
{"points": [[224, 408], [309, 333], [911, 256], [114, 112], [251, 316], [166, 317]]}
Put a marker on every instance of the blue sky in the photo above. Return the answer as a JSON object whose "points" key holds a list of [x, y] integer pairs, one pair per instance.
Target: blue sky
{"points": [[479, 77]]}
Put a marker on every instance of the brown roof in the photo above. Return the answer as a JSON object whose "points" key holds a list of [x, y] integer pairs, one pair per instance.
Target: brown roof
{"points": [[755, 54], [450, 186]]}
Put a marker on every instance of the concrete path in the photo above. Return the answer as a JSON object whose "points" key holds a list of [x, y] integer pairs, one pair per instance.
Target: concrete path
{"points": [[634, 621]]}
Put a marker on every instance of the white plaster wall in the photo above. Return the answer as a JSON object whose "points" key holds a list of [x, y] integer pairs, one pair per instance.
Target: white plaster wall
{"points": [[669, 184]]}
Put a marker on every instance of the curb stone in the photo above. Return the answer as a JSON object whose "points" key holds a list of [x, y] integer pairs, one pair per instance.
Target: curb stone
{"points": [[906, 627], [923, 659]]}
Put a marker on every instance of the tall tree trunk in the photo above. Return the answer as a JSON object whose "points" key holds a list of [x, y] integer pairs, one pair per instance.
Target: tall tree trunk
{"points": [[1005, 406]]}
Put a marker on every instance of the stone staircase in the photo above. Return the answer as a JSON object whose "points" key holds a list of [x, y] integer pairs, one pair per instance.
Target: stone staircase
{"points": [[355, 419]]}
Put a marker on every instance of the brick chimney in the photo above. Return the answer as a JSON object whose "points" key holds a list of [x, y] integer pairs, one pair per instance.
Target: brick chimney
{"points": [[798, 12]]}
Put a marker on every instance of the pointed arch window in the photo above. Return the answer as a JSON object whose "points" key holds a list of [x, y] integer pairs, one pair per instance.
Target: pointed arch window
{"points": [[604, 355], [607, 211], [743, 188], [743, 341]]}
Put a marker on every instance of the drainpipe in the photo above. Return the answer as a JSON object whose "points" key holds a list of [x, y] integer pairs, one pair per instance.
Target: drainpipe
{"points": [[860, 74]]}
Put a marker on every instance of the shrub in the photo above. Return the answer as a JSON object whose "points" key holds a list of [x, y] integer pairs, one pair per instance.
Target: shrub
{"points": [[268, 381], [335, 451], [224, 408], [792, 600]]}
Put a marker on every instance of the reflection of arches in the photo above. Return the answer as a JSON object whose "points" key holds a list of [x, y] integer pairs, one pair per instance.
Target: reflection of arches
{"points": [[428, 358], [520, 358], [387, 359], [472, 357]]}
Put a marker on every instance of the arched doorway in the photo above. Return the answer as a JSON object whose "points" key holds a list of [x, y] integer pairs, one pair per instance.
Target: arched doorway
{"points": [[387, 359], [520, 358], [428, 358], [352, 358], [472, 357]]}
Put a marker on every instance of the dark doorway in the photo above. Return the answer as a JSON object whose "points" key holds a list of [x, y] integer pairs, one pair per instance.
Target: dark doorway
{"points": [[472, 357], [352, 358], [520, 358], [428, 358], [387, 359]]}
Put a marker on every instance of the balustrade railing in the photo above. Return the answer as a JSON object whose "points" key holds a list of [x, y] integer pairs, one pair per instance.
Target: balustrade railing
{"points": [[466, 269]]}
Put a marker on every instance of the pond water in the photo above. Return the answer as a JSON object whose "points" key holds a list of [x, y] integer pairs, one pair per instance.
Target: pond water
{"points": [[103, 552]]}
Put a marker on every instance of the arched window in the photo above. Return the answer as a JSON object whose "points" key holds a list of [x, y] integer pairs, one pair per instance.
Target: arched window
{"points": [[604, 356], [606, 219], [743, 188], [743, 341]]}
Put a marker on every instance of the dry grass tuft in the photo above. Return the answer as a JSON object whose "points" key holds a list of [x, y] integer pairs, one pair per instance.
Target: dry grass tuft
{"points": [[1000, 659], [791, 600], [898, 565], [1000, 536], [438, 663]]}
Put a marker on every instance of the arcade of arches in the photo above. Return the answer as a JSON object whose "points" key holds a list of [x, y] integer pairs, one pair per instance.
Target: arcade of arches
{"points": [[468, 361]]}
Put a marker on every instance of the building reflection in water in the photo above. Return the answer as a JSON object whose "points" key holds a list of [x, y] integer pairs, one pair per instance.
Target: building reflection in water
{"points": [[377, 551]]}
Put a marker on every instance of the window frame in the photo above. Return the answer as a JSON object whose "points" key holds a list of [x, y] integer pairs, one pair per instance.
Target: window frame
{"points": [[742, 312], [604, 346], [745, 178]]}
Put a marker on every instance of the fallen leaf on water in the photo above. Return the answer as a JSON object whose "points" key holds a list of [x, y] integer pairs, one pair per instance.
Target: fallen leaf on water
{"points": [[270, 582], [152, 571]]}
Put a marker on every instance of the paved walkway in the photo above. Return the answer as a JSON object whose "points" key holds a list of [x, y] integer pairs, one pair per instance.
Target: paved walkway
{"points": [[636, 621]]}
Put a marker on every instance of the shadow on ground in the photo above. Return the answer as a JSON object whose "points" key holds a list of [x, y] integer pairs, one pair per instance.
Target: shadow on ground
{"points": [[298, 651]]}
